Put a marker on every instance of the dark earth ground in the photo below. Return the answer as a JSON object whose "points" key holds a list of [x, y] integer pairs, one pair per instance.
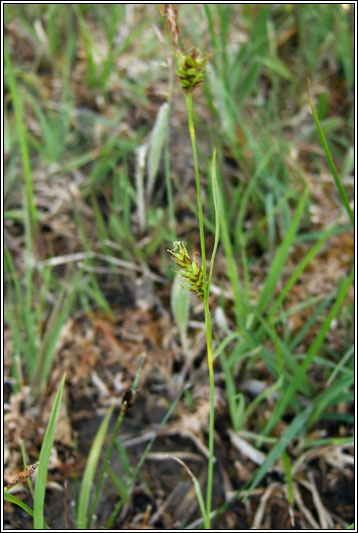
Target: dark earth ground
{"points": [[100, 349]]}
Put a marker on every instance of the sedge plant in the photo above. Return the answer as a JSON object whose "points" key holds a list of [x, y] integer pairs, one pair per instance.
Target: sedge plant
{"points": [[191, 73]]}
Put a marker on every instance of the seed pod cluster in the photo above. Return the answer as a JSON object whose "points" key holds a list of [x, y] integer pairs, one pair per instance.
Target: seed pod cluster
{"points": [[191, 69], [191, 268]]}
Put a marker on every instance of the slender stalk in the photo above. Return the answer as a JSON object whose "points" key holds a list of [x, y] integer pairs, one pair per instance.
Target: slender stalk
{"points": [[168, 184], [189, 107], [209, 342], [211, 431]]}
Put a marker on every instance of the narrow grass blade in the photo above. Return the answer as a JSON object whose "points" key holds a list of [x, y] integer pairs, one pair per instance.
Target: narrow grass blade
{"points": [[311, 319], [90, 470], [89, 47], [20, 345], [295, 275], [340, 441], [280, 257], [344, 44], [137, 376], [123, 455], [260, 171], [56, 322], [93, 290], [249, 81], [276, 65], [224, 343], [40, 486], [289, 477], [31, 228], [236, 402], [340, 365], [121, 486], [300, 268], [232, 270], [20, 125], [211, 26], [53, 130], [20, 317], [267, 392], [331, 164], [332, 395], [100, 224]]}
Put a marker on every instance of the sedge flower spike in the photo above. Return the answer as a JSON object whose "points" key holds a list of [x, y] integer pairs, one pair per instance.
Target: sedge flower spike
{"points": [[191, 268], [191, 69]]}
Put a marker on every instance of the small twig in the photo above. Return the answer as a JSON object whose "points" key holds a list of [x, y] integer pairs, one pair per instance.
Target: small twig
{"points": [[24, 475]]}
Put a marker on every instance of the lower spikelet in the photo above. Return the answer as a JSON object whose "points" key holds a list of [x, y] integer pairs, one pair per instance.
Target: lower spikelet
{"points": [[192, 270]]}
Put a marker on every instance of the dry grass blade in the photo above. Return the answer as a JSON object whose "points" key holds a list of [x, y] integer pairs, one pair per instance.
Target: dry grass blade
{"points": [[325, 519], [259, 515], [304, 509]]}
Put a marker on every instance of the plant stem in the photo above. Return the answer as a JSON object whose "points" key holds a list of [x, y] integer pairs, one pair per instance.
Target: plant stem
{"points": [[209, 342], [168, 183], [211, 418], [189, 107]]}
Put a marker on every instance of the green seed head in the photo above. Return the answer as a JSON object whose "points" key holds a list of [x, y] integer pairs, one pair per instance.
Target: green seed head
{"points": [[191, 69]]}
